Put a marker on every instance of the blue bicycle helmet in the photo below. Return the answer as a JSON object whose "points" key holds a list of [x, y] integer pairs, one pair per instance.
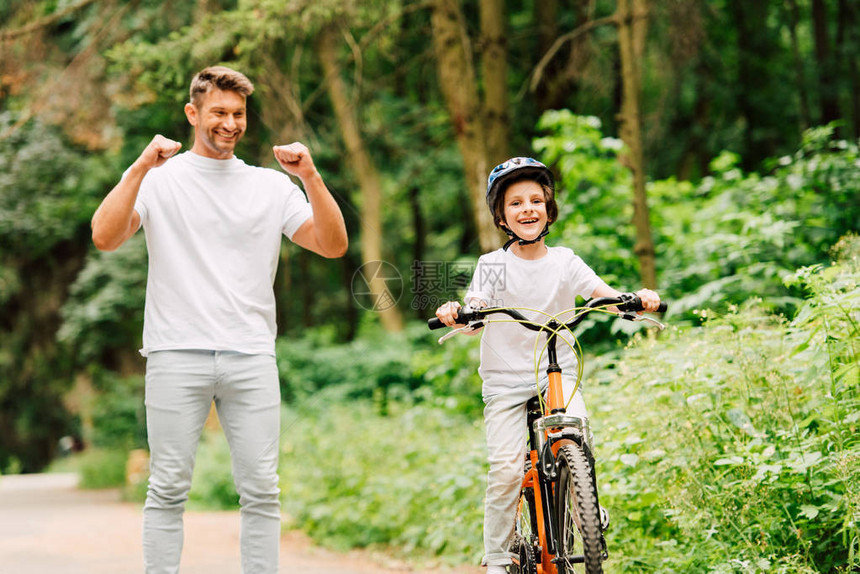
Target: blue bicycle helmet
{"points": [[514, 169]]}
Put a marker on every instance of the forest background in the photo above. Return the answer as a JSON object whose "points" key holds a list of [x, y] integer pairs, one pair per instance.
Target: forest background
{"points": [[705, 148]]}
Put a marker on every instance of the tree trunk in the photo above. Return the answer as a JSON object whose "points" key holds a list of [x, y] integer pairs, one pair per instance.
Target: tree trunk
{"points": [[546, 19], [368, 180], [694, 161], [632, 27], [556, 80], [459, 87], [794, 22], [419, 227], [494, 64], [827, 84], [848, 45]]}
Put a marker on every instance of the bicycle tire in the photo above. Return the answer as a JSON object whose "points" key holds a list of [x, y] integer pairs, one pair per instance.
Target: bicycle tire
{"points": [[580, 540]]}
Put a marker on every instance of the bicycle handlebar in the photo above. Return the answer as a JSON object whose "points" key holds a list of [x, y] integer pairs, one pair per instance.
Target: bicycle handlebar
{"points": [[626, 303]]}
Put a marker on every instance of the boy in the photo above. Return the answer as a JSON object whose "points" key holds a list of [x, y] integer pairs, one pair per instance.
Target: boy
{"points": [[524, 273]]}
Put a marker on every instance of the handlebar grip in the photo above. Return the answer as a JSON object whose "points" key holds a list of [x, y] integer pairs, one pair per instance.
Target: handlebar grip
{"points": [[435, 323], [632, 303]]}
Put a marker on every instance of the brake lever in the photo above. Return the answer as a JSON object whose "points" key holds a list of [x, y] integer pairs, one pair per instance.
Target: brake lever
{"points": [[640, 318], [465, 329]]}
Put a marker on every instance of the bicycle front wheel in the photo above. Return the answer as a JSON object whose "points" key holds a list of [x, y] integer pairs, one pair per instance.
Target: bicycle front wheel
{"points": [[580, 540]]}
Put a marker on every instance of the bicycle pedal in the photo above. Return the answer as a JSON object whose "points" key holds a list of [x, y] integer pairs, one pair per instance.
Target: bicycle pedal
{"points": [[604, 519]]}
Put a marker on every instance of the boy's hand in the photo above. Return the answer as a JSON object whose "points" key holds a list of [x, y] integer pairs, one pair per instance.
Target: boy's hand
{"points": [[447, 313], [650, 299]]}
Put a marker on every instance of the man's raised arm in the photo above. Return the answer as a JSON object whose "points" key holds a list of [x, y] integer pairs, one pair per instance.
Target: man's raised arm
{"points": [[325, 232], [116, 220]]}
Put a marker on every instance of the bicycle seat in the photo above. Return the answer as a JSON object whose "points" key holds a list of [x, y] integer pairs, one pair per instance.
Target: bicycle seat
{"points": [[533, 404]]}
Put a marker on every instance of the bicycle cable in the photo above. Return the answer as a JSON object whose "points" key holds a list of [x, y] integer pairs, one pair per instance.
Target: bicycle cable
{"points": [[558, 332]]}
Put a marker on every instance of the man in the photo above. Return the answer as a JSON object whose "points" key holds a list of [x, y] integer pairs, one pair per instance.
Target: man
{"points": [[213, 229]]}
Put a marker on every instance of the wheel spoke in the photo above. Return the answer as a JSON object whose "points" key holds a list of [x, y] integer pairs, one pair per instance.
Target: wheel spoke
{"points": [[524, 536]]}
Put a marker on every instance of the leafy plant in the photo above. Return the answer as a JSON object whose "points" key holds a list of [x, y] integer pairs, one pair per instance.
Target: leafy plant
{"points": [[735, 445], [718, 241], [412, 480]]}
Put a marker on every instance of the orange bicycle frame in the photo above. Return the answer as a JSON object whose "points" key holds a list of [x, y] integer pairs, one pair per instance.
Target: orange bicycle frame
{"points": [[554, 404]]}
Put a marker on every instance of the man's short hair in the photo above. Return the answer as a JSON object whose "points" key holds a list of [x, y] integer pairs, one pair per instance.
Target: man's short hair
{"points": [[221, 78]]}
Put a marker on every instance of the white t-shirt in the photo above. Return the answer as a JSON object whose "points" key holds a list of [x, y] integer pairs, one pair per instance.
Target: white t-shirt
{"points": [[213, 232], [550, 284]]}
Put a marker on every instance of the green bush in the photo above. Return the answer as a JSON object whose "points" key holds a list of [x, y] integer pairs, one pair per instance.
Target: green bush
{"points": [[382, 367], [734, 447], [212, 486], [377, 362], [102, 468], [413, 480], [119, 415], [718, 241]]}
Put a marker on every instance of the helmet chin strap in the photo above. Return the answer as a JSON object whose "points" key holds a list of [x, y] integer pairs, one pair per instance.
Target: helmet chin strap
{"points": [[515, 239]]}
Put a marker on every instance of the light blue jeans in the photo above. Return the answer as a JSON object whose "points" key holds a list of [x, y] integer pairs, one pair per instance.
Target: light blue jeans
{"points": [[505, 420], [180, 388]]}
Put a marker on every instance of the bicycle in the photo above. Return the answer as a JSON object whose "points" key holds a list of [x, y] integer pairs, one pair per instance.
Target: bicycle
{"points": [[559, 523]]}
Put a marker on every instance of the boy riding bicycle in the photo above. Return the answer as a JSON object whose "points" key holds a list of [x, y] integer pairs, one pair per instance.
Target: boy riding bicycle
{"points": [[524, 273]]}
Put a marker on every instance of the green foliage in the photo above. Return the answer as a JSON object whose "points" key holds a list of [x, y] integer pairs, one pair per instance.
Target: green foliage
{"points": [[732, 235], [385, 367], [372, 364], [450, 374], [104, 313], [413, 480], [734, 447], [212, 486], [48, 188], [102, 468], [594, 194], [747, 232], [48, 191], [119, 417]]}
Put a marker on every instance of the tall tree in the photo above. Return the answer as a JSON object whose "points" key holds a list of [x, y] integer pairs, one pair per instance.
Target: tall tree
{"points": [[494, 68], [459, 86], [848, 45], [557, 81], [632, 22], [828, 86], [369, 182], [793, 24]]}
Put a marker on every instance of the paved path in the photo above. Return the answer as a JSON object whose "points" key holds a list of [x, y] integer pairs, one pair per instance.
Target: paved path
{"points": [[48, 526]]}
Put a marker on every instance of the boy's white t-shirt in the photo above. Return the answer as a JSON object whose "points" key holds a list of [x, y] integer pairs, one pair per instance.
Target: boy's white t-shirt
{"points": [[213, 232], [550, 284]]}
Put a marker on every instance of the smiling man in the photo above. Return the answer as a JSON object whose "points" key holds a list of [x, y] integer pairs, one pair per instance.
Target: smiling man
{"points": [[213, 228]]}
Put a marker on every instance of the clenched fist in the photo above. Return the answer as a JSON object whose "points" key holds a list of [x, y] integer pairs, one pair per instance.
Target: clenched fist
{"points": [[295, 159], [159, 150]]}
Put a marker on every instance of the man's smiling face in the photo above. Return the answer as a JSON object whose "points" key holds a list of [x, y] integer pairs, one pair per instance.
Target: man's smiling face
{"points": [[219, 123]]}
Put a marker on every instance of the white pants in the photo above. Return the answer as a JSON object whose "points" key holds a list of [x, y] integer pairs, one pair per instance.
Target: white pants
{"points": [[505, 420], [180, 388]]}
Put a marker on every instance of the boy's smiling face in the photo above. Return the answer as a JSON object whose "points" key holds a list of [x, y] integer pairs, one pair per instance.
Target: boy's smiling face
{"points": [[525, 209]]}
